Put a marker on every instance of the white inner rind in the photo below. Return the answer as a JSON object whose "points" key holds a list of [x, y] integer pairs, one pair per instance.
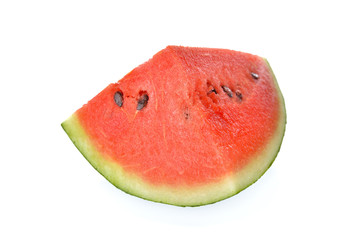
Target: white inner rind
{"points": [[178, 195]]}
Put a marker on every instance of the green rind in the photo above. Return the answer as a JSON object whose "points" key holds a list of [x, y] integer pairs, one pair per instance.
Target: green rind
{"points": [[182, 195]]}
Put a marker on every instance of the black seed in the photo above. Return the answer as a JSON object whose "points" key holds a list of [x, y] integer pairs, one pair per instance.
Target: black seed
{"points": [[212, 91], [228, 91], [186, 113], [142, 102], [255, 75], [118, 98], [239, 95]]}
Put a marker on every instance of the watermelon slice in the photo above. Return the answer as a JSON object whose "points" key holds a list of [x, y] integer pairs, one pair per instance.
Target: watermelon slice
{"points": [[191, 126]]}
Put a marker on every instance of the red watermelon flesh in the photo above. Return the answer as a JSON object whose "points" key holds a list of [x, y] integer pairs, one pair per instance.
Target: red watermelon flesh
{"points": [[189, 127]]}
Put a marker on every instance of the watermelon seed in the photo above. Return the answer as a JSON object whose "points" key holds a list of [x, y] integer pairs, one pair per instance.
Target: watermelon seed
{"points": [[212, 91], [228, 91], [118, 98], [142, 102], [239, 95], [186, 113], [255, 76]]}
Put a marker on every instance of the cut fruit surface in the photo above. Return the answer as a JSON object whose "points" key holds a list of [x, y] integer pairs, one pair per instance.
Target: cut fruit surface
{"points": [[190, 127]]}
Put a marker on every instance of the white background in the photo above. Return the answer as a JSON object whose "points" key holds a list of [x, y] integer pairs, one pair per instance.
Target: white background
{"points": [[56, 55]]}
